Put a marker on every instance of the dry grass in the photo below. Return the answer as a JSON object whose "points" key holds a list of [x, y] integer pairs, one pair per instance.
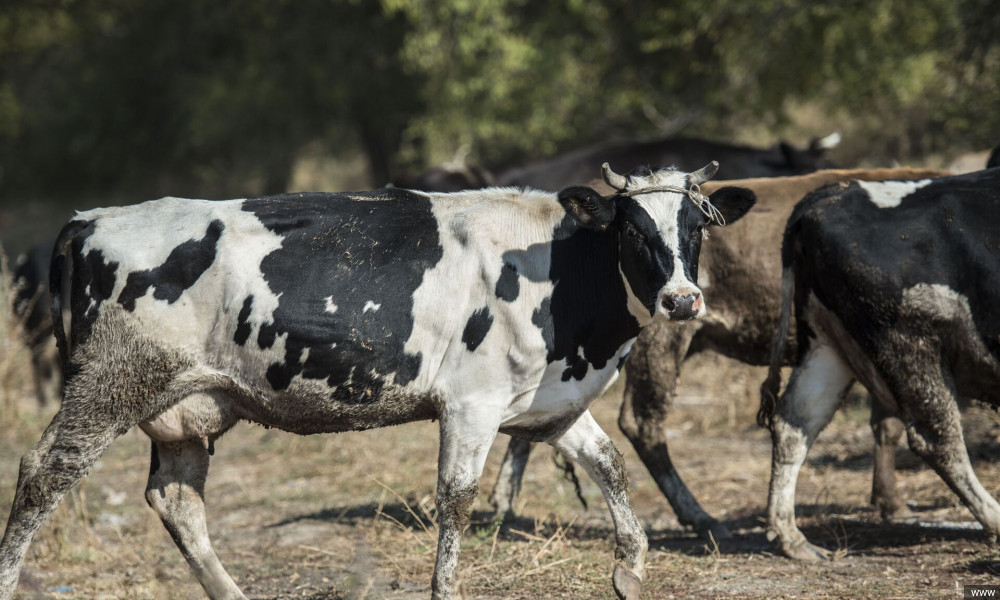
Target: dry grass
{"points": [[352, 516]]}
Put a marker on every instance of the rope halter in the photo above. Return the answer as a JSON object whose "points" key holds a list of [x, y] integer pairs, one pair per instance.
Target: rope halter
{"points": [[619, 183]]}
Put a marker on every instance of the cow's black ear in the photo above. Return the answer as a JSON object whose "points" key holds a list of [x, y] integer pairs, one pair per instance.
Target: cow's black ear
{"points": [[732, 203], [592, 210]]}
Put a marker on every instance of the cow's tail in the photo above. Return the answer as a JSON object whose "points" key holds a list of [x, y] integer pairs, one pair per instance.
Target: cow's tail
{"points": [[60, 271], [769, 389]]}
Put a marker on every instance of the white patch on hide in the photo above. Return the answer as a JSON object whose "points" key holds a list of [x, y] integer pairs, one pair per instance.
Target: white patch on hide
{"points": [[936, 301], [889, 194], [136, 239], [635, 306]]}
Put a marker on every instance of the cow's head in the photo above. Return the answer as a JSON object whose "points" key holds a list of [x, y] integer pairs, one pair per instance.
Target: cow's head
{"points": [[794, 161], [659, 220]]}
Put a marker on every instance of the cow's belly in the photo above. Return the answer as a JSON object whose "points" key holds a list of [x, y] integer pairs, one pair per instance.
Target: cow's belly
{"points": [[548, 411], [306, 407], [309, 408]]}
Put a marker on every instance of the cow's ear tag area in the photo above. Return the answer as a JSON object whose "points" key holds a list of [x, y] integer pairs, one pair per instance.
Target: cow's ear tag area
{"points": [[732, 203], [592, 210]]}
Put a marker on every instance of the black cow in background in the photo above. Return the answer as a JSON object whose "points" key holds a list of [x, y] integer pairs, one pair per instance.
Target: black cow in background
{"points": [[735, 162], [451, 177], [32, 308], [579, 166]]}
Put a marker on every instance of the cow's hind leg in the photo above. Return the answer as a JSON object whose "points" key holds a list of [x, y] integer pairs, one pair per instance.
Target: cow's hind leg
{"points": [[508, 484], [934, 431], [887, 428], [176, 491], [76, 438], [117, 379], [586, 444], [814, 392]]}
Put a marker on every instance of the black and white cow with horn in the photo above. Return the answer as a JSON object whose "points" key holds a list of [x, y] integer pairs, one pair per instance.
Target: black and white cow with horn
{"points": [[494, 310]]}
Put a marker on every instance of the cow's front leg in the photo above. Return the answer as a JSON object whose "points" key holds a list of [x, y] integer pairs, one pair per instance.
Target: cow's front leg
{"points": [[588, 445], [466, 436], [814, 392]]}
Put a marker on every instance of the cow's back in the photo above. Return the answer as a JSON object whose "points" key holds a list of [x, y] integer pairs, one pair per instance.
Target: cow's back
{"points": [[916, 260], [316, 285], [735, 162], [741, 263]]}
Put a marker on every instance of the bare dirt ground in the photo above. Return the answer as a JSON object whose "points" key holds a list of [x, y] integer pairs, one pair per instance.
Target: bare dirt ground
{"points": [[351, 515]]}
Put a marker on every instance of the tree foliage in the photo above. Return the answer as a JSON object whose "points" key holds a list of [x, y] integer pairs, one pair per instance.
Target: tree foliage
{"points": [[202, 96], [222, 95]]}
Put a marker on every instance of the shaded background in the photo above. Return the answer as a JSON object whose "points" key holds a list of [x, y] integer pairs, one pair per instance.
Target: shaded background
{"points": [[112, 101]]}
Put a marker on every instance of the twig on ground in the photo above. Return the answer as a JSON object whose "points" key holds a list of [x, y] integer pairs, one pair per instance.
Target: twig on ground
{"points": [[493, 544], [378, 511], [559, 533], [542, 568], [405, 504], [528, 536]]}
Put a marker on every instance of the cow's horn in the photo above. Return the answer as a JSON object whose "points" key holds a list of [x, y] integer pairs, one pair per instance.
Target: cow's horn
{"points": [[613, 179], [829, 142], [704, 174]]}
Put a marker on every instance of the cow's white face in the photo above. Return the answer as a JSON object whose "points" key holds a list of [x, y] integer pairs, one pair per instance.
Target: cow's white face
{"points": [[659, 234]]}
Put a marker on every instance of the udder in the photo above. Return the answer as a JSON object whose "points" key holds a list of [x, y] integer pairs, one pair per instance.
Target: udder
{"points": [[199, 416]]}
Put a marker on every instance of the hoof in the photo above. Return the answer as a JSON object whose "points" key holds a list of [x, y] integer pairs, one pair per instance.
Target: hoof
{"points": [[499, 516], [901, 514], [501, 507], [718, 530], [627, 585], [805, 551]]}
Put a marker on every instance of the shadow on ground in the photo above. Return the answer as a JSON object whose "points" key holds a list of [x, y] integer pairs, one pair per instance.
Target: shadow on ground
{"points": [[482, 520], [858, 530]]}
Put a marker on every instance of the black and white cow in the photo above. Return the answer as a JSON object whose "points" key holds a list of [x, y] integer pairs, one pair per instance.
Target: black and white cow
{"points": [[495, 310], [895, 284]]}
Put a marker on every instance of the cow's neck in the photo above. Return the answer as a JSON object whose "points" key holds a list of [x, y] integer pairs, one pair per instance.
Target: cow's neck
{"points": [[588, 308]]}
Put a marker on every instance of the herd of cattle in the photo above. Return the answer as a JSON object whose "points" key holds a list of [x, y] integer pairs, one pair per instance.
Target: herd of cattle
{"points": [[323, 312]]}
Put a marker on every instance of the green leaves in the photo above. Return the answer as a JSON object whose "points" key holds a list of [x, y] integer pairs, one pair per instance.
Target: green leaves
{"points": [[198, 96]]}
